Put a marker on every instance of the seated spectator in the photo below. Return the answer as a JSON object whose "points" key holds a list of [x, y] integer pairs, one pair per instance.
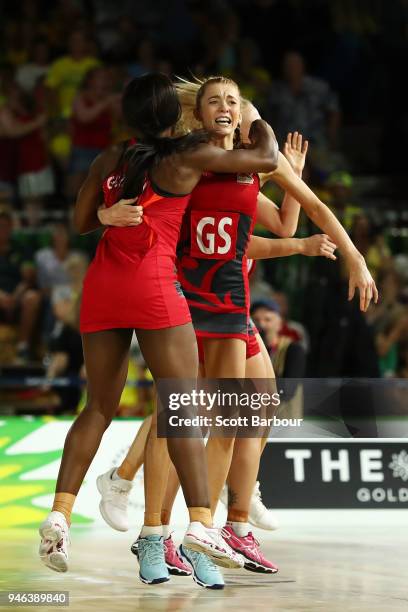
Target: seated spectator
{"points": [[20, 129], [35, 178], [51, 261], [340, 197], [76, 266], [371, 243], [20, 301], [65, 357], [390, 322], [91, 125], [300, 102], [291, 329], [287, 355], [36, 68]]}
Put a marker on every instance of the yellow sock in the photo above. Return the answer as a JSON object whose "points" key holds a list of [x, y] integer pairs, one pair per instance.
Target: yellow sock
{"points": [[237, 516], [126, 470], [63, 502], [202, 515], [152, 519]]}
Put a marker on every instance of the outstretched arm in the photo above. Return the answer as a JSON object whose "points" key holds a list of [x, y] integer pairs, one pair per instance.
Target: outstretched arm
{"points": [[260, 156], [268, 248], [322, 216]]}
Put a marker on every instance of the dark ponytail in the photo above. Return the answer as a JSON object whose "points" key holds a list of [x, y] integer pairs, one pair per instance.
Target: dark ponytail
{"points": [[150, 106]]}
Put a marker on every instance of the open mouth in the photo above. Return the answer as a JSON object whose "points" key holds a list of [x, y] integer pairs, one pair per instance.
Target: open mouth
{"points": [[223, 121]]}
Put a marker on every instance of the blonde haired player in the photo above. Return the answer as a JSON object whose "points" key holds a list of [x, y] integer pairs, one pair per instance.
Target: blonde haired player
{"points": [[218, 106]]}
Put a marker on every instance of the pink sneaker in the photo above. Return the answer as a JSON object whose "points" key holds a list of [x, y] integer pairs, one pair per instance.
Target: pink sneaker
{"points": [[248, 547], [175, 564]]}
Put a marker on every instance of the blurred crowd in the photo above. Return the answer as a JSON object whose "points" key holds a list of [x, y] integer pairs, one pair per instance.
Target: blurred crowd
{"points": [[330, 70]]}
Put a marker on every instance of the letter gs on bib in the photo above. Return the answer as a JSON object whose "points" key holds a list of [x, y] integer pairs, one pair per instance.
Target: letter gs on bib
{"points": [[214, 234]]}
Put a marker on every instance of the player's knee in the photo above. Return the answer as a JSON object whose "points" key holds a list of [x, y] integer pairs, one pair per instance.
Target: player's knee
{"points": [[224, 444], [103, 409]]}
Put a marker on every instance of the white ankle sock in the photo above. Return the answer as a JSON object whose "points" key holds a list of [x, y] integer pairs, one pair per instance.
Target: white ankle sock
{"points": [[114, 475], [241, 529], [166, 531], [196, 525], [147, 530]]}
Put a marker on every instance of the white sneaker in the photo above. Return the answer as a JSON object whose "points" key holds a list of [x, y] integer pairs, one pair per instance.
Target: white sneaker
{"points": [[54, 532], [114, 503], [210, 541], [259, 515]]}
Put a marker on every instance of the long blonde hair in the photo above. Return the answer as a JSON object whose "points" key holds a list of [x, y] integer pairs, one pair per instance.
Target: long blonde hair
{"points": [[190, 94]]}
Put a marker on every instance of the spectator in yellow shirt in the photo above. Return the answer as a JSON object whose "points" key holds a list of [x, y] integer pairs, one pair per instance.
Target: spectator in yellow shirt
{"points": [[67, 72]]}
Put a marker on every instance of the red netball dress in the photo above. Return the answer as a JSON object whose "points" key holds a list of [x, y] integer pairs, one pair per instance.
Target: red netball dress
{"points": [[132, 280], [212, 264]]}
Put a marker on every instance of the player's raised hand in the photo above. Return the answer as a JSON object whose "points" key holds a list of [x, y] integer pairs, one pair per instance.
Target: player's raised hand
{"points": [[295, 149]]}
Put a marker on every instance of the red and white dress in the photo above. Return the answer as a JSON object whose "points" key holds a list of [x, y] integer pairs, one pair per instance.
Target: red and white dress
{"points": [[212, 264]]}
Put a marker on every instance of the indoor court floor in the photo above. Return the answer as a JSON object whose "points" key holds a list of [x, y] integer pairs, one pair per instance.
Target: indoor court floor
{"points": [[334, 561]]}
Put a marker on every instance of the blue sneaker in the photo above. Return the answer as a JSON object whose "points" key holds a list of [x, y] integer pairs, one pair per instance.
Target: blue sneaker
{"points": [[205, 573], [153, 568]]}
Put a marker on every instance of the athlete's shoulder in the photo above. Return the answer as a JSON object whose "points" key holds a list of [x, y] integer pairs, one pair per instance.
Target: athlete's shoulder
{"points": [[107, 161], [198, 156]]}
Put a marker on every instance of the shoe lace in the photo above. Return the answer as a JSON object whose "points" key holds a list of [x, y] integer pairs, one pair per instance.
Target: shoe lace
{"points": [[206, 562], [119, 496], [153, 551], [203, 559], [225, 533], [252, 539], [119, 490], [65, 537]]}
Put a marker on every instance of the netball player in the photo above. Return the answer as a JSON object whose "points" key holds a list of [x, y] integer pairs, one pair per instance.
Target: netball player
{"points": [[226, 345], [161, 172]]}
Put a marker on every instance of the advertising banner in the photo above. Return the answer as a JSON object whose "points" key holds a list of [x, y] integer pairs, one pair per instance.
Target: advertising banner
{"points": [[309, 473], [335, 474]]}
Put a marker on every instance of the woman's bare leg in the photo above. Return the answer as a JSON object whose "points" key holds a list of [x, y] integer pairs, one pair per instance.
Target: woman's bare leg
{"points": [[135, 455], [106, 356], [172, 353], [245, 460], [223, 358]]}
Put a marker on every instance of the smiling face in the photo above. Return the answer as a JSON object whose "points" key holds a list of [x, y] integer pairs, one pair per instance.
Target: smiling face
{"points": [[219, 109]]}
